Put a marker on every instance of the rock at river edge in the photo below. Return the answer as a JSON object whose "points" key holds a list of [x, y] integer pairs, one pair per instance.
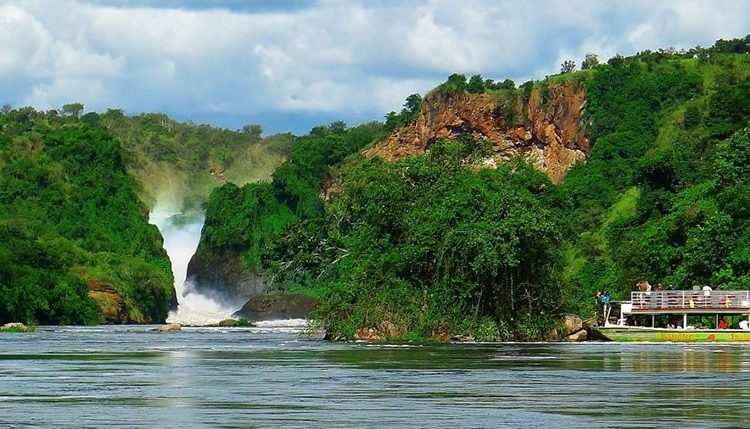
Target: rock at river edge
{"points": [[170, 327], [277, 306]]}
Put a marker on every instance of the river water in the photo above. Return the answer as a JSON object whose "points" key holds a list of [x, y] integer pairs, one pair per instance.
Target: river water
{"points": [[128, 376]]}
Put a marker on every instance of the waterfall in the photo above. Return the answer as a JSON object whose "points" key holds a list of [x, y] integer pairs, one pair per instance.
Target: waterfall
{"points": [[181, 233]]}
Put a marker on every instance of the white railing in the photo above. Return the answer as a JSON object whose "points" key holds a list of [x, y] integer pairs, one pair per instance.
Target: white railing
{"points": [[667, 300]]}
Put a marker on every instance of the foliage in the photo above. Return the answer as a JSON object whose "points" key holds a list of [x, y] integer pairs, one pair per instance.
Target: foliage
{"points": [[170, 159], [67, 207], [455, 83], [429, 241], [659, 124], [250, 219], [567, 66], [591, 61]]}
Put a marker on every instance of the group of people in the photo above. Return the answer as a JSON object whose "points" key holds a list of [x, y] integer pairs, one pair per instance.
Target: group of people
{"points": [[645, 286], [602, 305]]}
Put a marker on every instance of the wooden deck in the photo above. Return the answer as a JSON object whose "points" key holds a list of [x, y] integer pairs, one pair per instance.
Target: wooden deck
{"points": [[690, 302]]}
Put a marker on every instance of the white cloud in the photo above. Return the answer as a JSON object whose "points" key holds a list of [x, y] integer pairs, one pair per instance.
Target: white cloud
{"points": [[334, 58]]}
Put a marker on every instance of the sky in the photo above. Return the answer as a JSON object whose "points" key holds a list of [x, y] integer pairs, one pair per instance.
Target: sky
{"points": [[291, 65]]}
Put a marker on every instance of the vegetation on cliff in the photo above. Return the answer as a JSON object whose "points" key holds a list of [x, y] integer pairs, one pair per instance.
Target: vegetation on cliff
{"points": [[651, 202], [241, 223], [180, 163], [70, 217], [433, 244]]}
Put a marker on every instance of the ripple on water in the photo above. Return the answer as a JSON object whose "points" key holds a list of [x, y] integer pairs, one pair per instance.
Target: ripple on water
{"points": [[267, 376]]}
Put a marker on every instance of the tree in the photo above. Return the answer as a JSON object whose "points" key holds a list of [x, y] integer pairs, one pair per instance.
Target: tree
{"points": [[591, 61], [567, 66], [507, 84], [412, 104], [252, 130], [616, 61], [476, 84], [337, 127], [72, 109], [456, 82]]}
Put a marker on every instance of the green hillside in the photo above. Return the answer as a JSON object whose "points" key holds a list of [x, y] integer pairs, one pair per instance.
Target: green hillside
{"points": [[434, 246], [179, 163], [69, 216]]}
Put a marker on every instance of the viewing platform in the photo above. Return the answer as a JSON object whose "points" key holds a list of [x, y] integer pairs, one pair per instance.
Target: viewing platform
{"points": [[689, 302]]}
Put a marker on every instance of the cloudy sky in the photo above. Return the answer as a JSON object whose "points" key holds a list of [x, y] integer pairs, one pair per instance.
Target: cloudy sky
{"points": [[289, 65]]}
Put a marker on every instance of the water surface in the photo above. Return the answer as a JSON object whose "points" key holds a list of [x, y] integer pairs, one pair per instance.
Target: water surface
{"points": [[210, 377]]}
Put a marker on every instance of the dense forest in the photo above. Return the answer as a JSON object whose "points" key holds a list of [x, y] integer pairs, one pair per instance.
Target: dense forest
{"points": [[69, 216], [75, 192], [437, 245], [178, 163]]}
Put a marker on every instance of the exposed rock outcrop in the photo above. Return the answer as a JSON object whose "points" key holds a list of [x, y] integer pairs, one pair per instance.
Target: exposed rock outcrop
{"points": [[276, 307], [550, 130], [570, 324], [385, 330], [112, 307], [170, 327], [581, 335], [221, 275], [16, 327], [572, 329], [235, 323]]}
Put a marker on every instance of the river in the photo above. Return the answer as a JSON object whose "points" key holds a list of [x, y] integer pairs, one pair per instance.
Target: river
{"points": [[128, 376]]}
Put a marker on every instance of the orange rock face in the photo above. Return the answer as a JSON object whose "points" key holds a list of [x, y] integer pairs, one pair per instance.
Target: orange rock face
{"points": [[113, 307], [552, 136]]}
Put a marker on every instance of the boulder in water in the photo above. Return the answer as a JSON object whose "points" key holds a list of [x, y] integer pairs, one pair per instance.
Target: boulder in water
{"points": [[169, 327], [367, 334], [277, 306], [15, 327], [581, 335], [553, 335], [570, 324], [235, 323]]}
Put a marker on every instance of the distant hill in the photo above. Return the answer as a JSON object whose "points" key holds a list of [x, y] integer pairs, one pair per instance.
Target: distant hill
{"points": [[179, 163]]}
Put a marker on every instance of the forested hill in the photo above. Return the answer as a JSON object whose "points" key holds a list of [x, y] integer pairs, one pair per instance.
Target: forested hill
{"points": [[178, 164], [70, 224], [75, 191], [441, 224]]}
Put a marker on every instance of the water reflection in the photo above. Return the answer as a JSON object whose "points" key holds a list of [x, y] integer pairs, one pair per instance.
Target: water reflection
{"points": [[129, 377]]}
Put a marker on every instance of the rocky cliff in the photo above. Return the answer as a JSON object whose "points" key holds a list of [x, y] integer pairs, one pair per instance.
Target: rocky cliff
{"points": [[547, 128], [221, 275]]}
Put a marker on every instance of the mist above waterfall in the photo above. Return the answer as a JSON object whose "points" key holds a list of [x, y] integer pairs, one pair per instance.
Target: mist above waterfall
{"points": [[181, 230]]}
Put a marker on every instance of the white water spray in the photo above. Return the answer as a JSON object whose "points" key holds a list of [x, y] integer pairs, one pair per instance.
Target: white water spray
{"points": [[181, 238]]}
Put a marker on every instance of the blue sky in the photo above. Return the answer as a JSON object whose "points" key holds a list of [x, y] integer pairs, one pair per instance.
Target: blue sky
{"points": [[290, 65]]}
